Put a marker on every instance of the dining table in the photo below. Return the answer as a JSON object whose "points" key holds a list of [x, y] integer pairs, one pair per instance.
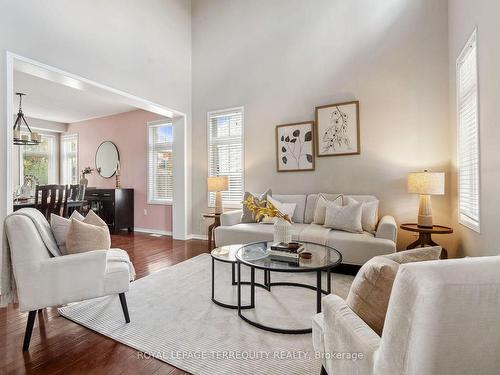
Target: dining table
{"points": [[30, 202]]}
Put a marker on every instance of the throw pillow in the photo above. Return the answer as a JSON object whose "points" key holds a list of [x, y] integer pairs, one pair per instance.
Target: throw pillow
{"points": [[371, 289], [369, 215], [60, 227], [248, 216], [320, 208], [93, 219], [346, 218], [283, 208], [84, 237]]}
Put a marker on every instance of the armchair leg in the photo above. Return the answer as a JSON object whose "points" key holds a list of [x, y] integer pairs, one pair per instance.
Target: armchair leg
{"points": [[123, 302], [29, 330]]}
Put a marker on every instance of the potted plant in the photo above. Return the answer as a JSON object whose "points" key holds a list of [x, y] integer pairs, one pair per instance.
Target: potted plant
{"points": [[264, 208]]}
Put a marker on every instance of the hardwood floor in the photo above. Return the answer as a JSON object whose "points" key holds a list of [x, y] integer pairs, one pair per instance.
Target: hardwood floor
{"points": [[59, 346]]}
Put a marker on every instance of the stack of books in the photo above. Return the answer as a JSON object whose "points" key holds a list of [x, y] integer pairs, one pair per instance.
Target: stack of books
{"points": [[282, 251]]}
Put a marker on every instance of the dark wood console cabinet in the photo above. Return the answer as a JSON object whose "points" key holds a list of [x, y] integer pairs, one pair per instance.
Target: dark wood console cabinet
{"points": [[114, 206]]}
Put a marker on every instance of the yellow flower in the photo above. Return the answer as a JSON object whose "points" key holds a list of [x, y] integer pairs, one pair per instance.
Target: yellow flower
{"points": [[263, 208]]}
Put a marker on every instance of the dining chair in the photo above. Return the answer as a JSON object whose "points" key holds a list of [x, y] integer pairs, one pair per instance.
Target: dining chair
{"points": [[51, 199], [77, 194]]}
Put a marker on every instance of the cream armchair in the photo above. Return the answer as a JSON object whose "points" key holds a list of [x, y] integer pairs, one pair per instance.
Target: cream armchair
{"points": [[443, 318], [44, 280]]}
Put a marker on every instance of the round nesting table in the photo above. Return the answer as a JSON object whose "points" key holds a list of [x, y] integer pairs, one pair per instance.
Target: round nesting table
{"points": [[255, 256], [227, 254]]}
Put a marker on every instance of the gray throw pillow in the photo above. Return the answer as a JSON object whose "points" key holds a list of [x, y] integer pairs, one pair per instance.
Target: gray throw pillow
{"points": [[248, 216]]}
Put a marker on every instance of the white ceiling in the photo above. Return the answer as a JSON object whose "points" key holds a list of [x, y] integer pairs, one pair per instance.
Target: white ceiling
{"points": [[53, 101]]}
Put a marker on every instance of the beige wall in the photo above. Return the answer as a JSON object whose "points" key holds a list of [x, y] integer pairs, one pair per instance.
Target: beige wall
{"points": [[464, 16], [279, 59], [143, 49]]}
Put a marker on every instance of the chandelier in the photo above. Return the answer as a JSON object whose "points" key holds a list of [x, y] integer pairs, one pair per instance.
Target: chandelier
{"points": [[32, 138]]}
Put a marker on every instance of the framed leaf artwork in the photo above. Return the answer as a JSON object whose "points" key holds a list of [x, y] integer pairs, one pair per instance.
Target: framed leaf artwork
{"points": [[295, 147], [337, 129]]}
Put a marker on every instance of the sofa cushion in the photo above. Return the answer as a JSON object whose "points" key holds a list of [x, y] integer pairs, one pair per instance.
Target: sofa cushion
{"points": [[299, 200], [84, 237], [250, 232], [357, 248], [60, 226], [347, 218], [371, 289], [369, 215], [286, 209], [311, 205], [321, 204], [247, 215]]}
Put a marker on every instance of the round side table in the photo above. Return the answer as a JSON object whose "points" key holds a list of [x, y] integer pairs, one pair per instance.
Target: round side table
{"points": [[227, 254], [425, 236]]}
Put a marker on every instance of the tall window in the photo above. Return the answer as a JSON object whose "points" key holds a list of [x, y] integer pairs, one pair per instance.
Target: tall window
{"points": [[69, 159], [38, 162], [160, 163], [225, 153], [468, 135]]}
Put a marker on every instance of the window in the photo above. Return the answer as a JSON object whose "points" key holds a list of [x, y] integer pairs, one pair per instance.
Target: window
{"points": [[38, 162], [225, 153], [468, 135], [160, 163], [69, 159]]}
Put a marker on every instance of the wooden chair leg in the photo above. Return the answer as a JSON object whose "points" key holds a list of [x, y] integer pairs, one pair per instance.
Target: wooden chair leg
{"points": [[123, 302], [29, 330]]}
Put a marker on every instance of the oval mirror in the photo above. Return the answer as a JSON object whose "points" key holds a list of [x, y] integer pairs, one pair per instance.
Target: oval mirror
{"points": [[106, 159]]}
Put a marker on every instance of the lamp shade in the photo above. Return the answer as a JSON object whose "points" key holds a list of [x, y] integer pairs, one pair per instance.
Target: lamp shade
{"points": [[428, 183], [219, 183]]}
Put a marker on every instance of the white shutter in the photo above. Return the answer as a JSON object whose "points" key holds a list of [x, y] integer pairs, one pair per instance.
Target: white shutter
{"points": [[69, 149], [468, 135], [160, 163], [225, 153]]}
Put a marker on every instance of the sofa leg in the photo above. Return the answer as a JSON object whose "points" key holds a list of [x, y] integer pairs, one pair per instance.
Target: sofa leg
{"points": [[323, 371], [29, 330], [123, 302]]}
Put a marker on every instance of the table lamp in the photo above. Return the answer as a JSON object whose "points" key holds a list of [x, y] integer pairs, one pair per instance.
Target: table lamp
{"points": [[426, 184], [217, 184]]}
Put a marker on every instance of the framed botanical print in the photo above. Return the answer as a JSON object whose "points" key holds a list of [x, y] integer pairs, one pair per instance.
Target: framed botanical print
{"points": [[295, 147], [337, 129]]}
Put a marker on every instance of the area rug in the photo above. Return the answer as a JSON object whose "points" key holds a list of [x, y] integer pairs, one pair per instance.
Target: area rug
{"points": [[174, 320]]}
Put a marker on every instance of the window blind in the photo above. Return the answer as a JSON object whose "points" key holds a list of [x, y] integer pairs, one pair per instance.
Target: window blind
{"points": [[225, 153], [160, 163], [69, 160], [468, 136]]}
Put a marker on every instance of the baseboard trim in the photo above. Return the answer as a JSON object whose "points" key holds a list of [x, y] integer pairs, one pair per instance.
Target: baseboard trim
{"points": [[152, 231], [195, 236]]}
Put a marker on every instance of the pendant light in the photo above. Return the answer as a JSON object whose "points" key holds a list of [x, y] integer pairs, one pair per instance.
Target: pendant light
{"points": [[32, 138]]}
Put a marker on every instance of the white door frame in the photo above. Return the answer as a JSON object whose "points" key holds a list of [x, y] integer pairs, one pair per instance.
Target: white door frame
{"points": [[179, 120]]}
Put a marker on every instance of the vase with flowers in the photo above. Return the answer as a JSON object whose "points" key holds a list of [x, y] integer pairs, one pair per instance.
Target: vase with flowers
{"points": [[264, 208], [86, 171]]}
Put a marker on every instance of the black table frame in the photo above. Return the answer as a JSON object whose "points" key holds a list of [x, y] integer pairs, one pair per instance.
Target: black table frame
{"points": [[269, 284], [233, 282]]}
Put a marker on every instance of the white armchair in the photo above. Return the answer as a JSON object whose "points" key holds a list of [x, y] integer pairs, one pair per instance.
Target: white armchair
{"points": [[44, 281], [442, 319]]}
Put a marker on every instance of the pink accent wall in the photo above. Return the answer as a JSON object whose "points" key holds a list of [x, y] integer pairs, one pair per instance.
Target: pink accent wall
{"points": [[129, 132]]}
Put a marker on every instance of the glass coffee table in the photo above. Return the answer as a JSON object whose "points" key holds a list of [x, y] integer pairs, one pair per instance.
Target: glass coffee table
{"points": [[255, 256]]}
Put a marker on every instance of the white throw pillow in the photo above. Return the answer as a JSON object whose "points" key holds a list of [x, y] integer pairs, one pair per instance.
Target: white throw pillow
{"points": [[369, 216], [60, 227], [284, 208], [320, 208], [346, 218]]}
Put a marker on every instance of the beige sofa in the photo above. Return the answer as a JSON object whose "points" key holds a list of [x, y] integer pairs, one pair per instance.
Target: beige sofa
{"points": [[356, 248]]}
